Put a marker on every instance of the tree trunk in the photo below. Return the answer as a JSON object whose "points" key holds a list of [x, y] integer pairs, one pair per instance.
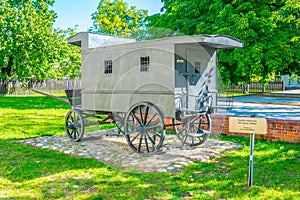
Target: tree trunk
{"points": [[8, 73], [3, 87]]}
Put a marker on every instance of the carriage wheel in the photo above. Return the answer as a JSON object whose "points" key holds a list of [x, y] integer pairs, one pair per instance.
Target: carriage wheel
{"points": [[144, 128], [74, 125], [194, 130], [119, 120]]}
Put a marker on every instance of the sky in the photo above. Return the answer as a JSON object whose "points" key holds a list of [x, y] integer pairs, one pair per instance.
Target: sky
{"points": [[78, 12]]}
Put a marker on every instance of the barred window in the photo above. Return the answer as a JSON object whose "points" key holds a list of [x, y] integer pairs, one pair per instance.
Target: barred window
{"points": [[197, 67], [108, 67], [145, 63]]}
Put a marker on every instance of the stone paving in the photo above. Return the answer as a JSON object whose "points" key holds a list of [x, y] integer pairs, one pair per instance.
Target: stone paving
{"points": [[113, 150]]}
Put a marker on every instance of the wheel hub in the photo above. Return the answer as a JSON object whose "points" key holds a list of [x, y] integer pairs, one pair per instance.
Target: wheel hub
{"points": [[142, 128], [72, 126]]}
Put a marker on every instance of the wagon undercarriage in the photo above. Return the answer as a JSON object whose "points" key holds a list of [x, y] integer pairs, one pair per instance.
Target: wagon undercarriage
{"points": [[143, 126]]}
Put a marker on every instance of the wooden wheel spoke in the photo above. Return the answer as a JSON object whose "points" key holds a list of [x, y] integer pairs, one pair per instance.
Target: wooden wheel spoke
{"points": [[146, 115], [151, 119], [184, 126], [193, 142], [75, 133], [72, 132], [151, 140], [194, 119], [132, 124], [141, 115], [70, 119], [135, 137], [152, 127], [140, 143], [146, 142], [77, 125], [156, 122], [134, 116]]}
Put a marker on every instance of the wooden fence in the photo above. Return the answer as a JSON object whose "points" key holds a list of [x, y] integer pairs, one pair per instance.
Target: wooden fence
{"points": [[48, 86], [256, 87], [59, 86]]}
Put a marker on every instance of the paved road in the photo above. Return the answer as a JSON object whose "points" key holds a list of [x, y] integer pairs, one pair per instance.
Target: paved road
{"points": [[266, 107], [268, 100]]}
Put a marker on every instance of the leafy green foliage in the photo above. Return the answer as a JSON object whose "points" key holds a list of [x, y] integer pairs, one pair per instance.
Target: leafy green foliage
{"points": [[116, 18], [270, 30], [26, 39], [68, 62], [30, 48]]}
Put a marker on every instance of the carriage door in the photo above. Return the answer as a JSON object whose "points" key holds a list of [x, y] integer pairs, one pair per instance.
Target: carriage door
{"points": [[188, 68], [180, 73], [188, 72]]}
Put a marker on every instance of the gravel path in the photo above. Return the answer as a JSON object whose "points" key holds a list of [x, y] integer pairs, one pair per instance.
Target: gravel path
{"points": [[113, 150]]}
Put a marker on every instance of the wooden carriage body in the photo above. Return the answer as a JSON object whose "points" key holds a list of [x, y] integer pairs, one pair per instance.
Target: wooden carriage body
{"points": [[118, 73]]}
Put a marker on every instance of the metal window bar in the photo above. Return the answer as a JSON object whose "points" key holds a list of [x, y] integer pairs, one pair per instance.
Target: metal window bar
{"points": [[145, 63], [197, 67], [108, 67]]}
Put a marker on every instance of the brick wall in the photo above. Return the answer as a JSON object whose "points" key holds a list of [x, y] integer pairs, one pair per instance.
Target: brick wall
{"points": [[283, 130]]}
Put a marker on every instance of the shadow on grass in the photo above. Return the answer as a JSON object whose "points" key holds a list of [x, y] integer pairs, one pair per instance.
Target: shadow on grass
{"points": [[32, 123], [31, 102], [21, 162], [224, 179]]}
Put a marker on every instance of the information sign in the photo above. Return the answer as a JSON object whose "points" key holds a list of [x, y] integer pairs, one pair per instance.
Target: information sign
{"points": [[248, 125]]}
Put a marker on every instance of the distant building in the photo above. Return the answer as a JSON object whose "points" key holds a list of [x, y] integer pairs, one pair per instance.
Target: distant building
{"points": [[288, 83]]}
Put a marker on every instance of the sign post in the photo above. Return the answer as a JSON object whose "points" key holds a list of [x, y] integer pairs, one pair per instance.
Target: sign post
{"points": [[249, 126], [251, 160]]}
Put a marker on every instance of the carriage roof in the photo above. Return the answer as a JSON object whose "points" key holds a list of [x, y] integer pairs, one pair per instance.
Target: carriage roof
{"points": [[92, 40]]}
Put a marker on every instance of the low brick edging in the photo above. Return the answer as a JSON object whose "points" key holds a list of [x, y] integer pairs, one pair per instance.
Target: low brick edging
{"points": [[278, 129]]}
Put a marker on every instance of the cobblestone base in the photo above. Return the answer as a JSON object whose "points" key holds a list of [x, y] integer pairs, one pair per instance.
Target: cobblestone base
{"points": [[113, 150]]}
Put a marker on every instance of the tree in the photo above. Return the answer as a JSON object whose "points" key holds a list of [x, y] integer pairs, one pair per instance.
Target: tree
{"points": [[270, 30], [116, 18], [68, 63], [30, 48], [27, 41]]}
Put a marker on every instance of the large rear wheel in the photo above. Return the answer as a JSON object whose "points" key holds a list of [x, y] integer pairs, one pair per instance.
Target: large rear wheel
{"points": [[144, 128]]}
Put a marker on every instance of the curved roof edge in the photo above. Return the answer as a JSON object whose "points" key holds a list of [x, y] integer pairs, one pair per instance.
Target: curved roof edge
{"points": [[92, 40]]}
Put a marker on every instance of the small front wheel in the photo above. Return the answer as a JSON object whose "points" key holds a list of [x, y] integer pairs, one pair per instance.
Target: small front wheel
{"points": [[193, 131], [74, 125]]}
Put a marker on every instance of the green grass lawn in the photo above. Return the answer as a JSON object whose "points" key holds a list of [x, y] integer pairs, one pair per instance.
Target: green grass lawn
{"points": [[34, 173]]}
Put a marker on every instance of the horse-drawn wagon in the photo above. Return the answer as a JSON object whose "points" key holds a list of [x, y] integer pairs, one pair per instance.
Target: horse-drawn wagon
{"points": [[139, 85]]}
